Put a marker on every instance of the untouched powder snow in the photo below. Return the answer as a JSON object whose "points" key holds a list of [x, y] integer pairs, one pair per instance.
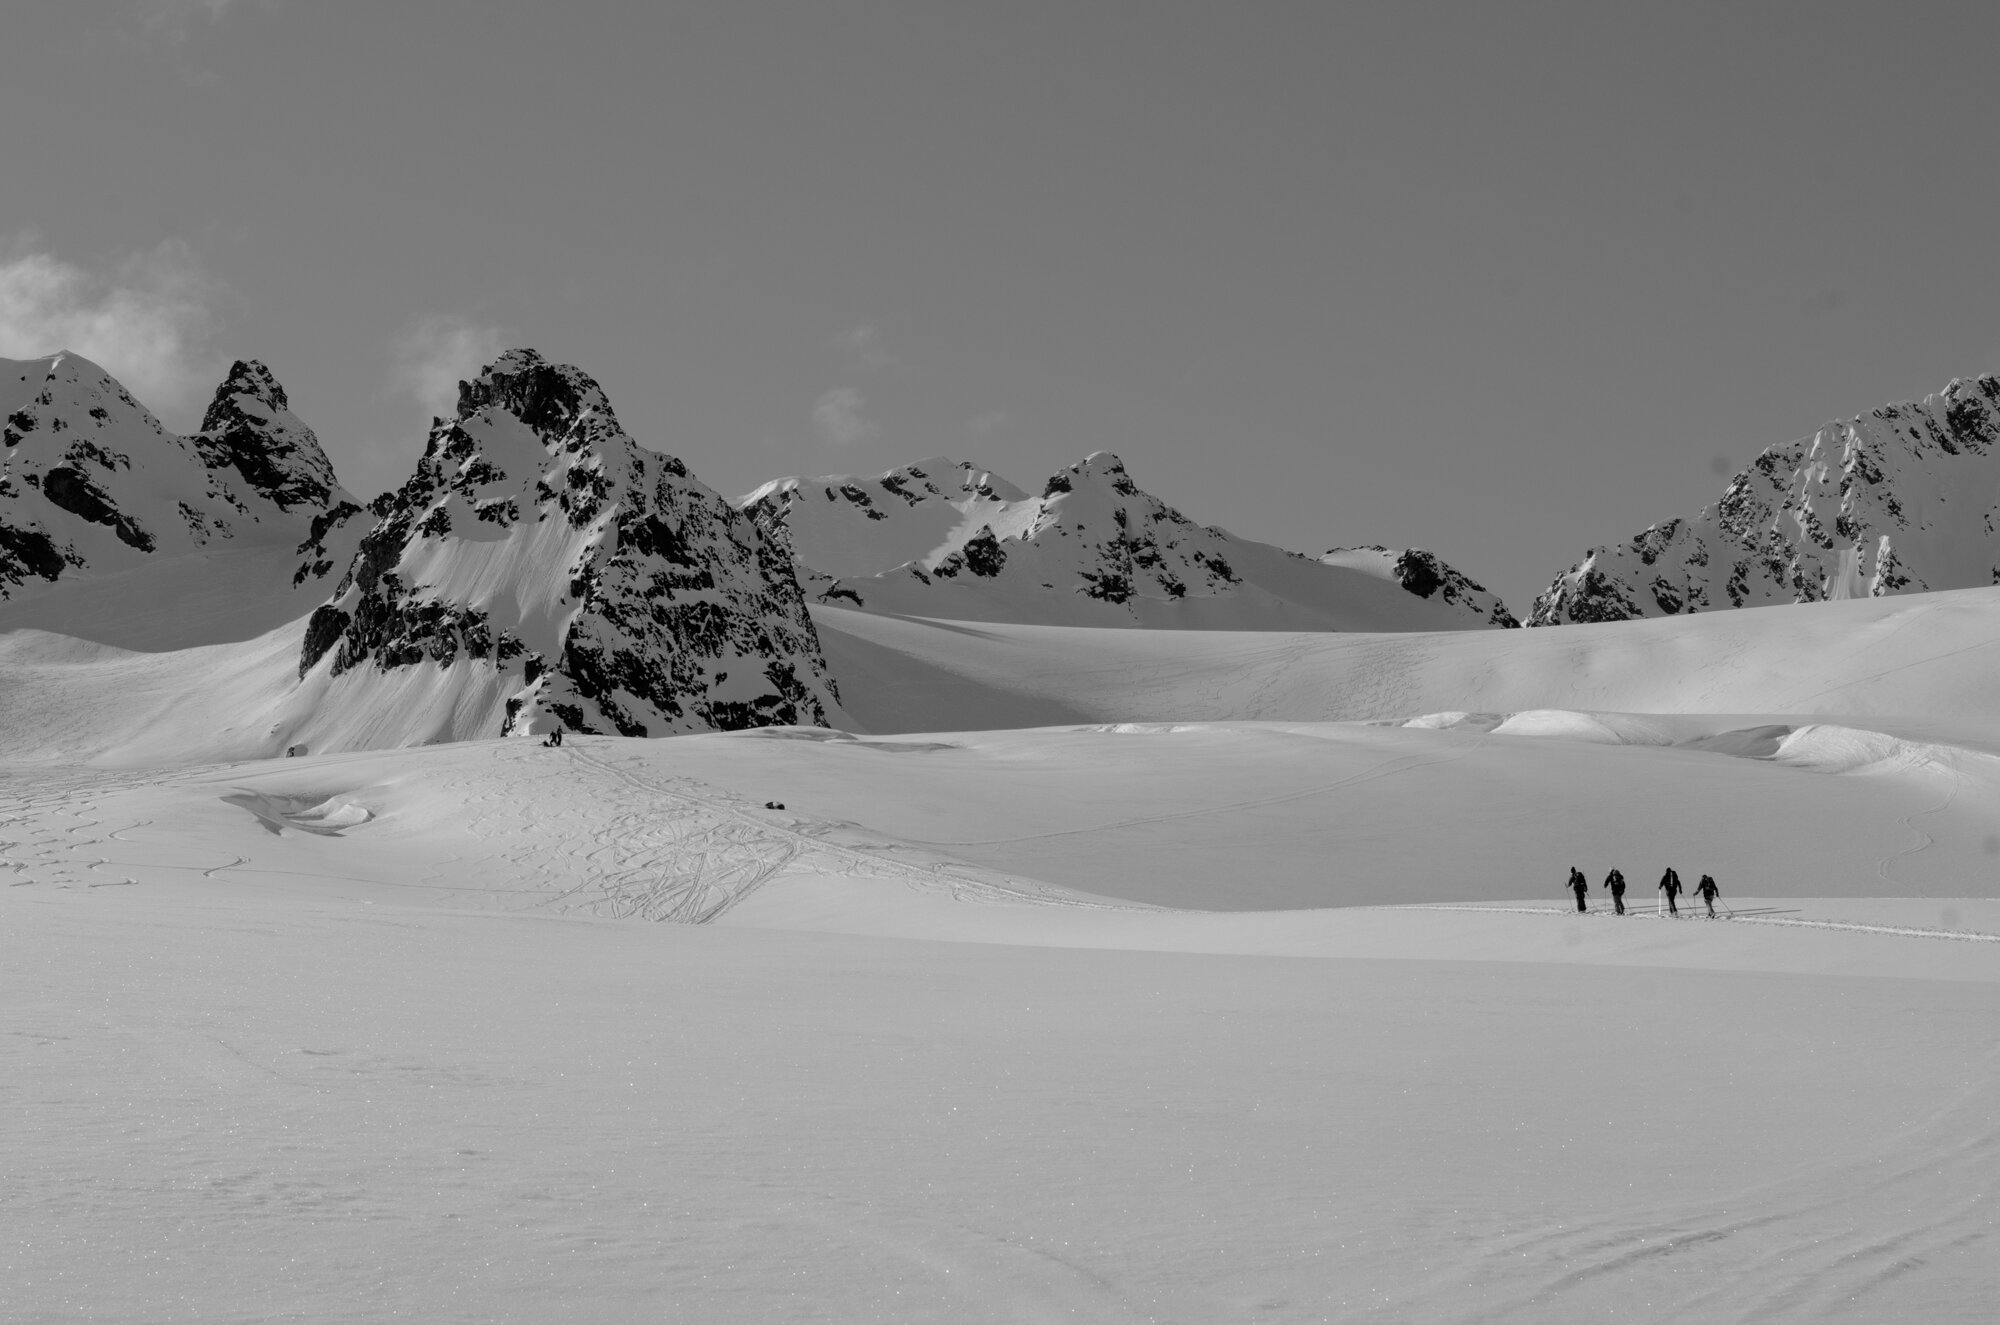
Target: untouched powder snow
{"points": [[1928, 656]]}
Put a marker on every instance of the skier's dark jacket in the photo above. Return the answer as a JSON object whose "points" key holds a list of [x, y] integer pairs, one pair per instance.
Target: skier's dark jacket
{"points": [[1670, 883], [1615, 882]]}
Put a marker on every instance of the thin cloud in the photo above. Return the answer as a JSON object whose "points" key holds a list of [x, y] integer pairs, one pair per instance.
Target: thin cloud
{"points": [[840, 416], [436, 353], [147, 321], [173, 17], [866, 352]]}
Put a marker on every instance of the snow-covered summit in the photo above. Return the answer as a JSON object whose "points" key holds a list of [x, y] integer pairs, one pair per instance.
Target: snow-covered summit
{"points": [[945, 539], [541, 569], [842, 524], [92, 483], [1904, 498]]}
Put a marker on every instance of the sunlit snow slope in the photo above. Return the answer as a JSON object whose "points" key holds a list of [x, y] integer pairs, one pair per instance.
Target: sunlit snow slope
{"points": [[944, 538], [1930, 656]]}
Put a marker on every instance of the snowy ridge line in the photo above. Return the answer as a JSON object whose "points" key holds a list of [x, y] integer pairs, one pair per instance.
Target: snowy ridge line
{"points": [[1906, 931]]}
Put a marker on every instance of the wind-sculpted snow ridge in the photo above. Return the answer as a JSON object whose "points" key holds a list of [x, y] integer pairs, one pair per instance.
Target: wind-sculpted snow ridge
{"points": [[92, 484], [1902, 499], [572, 578], [945, 539]]}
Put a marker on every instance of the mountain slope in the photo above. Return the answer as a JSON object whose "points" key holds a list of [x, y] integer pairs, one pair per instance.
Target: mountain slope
{"points": [[945, 539], [1902, 499], [92, 481], [843, 525], [115, 529], [544, 570]]}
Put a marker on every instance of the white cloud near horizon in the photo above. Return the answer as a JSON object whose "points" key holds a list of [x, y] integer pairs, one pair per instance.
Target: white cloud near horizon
{"points": [[435, 353], [840, 415], [147, 321], [865, 350]]}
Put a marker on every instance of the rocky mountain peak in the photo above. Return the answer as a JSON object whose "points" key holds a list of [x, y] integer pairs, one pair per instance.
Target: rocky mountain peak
{"points": [[92, 482], [248, 381], [560, 567], [1901, 499], [548, 397], [1095, 549], [249, 427]]}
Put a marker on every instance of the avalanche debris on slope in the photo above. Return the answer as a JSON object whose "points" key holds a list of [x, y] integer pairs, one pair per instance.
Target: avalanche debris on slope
{"points": [[605, 588], [1902, 499]]}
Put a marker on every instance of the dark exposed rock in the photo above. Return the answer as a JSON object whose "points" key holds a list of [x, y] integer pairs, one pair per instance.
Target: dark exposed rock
{"points": [[656, 609], [1895, 500]]}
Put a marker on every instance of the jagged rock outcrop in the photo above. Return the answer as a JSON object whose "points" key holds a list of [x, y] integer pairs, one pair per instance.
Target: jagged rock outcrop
{"points": [[91, 482], [1902, 499], [1426, 575], [947, 539], [846, 525], [593, 584], [249, 427]]}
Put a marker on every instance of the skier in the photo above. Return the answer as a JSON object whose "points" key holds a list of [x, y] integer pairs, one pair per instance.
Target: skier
{"points": [[1578, 885], [1615, 883], [1706, 890], [1670, 888]]}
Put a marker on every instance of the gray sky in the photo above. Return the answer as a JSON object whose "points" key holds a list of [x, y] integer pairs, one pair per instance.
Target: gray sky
{"points": [[1501, 281]]}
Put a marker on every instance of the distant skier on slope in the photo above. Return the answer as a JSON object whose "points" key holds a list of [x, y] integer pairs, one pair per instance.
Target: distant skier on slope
{"points": [[1578, 885], [1706, 890], [1614, 883], [1670, 888]]}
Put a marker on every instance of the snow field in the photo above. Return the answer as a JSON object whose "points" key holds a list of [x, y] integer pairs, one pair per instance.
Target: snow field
{"points": [[234, 1103], [1194, 1004]]}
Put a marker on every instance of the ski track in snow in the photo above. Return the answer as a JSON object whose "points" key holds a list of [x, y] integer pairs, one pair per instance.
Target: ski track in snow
{"points": [[673, 849], [1635, 913]]}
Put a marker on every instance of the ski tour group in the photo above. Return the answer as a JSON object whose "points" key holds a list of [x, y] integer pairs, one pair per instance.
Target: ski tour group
{"points": [[1670, 891]]}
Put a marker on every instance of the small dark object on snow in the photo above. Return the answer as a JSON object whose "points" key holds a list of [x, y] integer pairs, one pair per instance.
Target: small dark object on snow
{"points": [[294, 751], [774, 805], [555, 739]]}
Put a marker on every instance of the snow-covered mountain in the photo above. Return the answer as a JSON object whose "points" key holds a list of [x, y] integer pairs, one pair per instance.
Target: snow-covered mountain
{"points": [[851, 526], [1904, 498], [541, 569], [948, 539], [1426, 575], [92, 485]]}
